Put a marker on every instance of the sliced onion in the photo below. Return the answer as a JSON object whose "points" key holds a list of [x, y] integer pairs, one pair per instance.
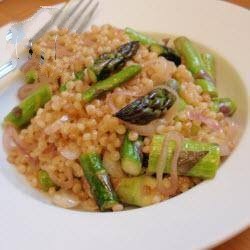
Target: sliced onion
{"points": [[27, 89], [8, 142], [69, 154], [198, 116], [11, 140], [177, 137], [172, 112], [110, 103], [144, 130], [65, 199], [56, 125], [127, 93]]}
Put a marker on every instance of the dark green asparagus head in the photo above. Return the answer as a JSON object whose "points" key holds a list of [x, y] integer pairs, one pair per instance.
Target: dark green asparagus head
{"points": [[147, 108], [188, 159], [166, 52], [109, 63], [128, 50]]}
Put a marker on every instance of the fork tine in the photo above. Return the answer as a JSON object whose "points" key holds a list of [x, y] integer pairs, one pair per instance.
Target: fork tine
{"points": [[72, 6], [77, 14], [59, 15], [81, 24]]}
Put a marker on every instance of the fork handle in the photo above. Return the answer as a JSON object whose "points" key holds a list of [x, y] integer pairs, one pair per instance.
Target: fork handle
{"points": [[6, 68]]}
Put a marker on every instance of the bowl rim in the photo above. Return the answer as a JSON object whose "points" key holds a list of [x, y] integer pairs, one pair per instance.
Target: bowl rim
{"points": [[135, 218]]}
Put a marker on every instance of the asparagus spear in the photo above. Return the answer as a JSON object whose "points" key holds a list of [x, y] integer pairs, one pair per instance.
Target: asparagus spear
{"points": [[166, 52], [138, 191], [225, 105], [31, 76], [205, 168], [147, 108], [207, 87], [44, 180], [196, 159], [136, 36], [22, 114], [155, 152], [154, 46], [131, 156], [109, 63], [192, 58], [98, 180], [111, 82], [79, 75], [209, 63]]}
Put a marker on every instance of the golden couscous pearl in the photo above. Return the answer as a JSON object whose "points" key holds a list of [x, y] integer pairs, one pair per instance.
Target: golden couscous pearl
{"points": [[133, 136], [77, 187], [90, 109], [120, 129], [115, 156], [86, 137]]}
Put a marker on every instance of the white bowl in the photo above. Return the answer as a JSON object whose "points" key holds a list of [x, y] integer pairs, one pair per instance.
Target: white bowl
{"points": [[202, 217]]}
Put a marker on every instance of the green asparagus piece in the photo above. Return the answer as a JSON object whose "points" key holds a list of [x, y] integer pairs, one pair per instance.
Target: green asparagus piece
{"points": [[79, 75], [109, 63], [155, 152], [147, 108], [138, 191], [192, 58], [136, 36], [225, 105], [31, 76], [209, 63], [111, 82], [182, 104], [44, 180], [22, 114], [166, 52], [161, 50], [207, 87], [131, 156], [63, 87], [196, 159], [98, 180]]}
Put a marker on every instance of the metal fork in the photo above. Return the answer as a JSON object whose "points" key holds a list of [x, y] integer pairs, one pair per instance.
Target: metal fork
{"points": [[74, 16]]}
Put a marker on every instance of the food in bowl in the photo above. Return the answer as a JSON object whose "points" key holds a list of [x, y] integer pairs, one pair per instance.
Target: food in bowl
{"points": [[112, 117]]}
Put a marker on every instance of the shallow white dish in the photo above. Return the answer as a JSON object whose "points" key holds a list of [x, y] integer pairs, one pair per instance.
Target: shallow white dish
{"points": [[202, 217]]}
